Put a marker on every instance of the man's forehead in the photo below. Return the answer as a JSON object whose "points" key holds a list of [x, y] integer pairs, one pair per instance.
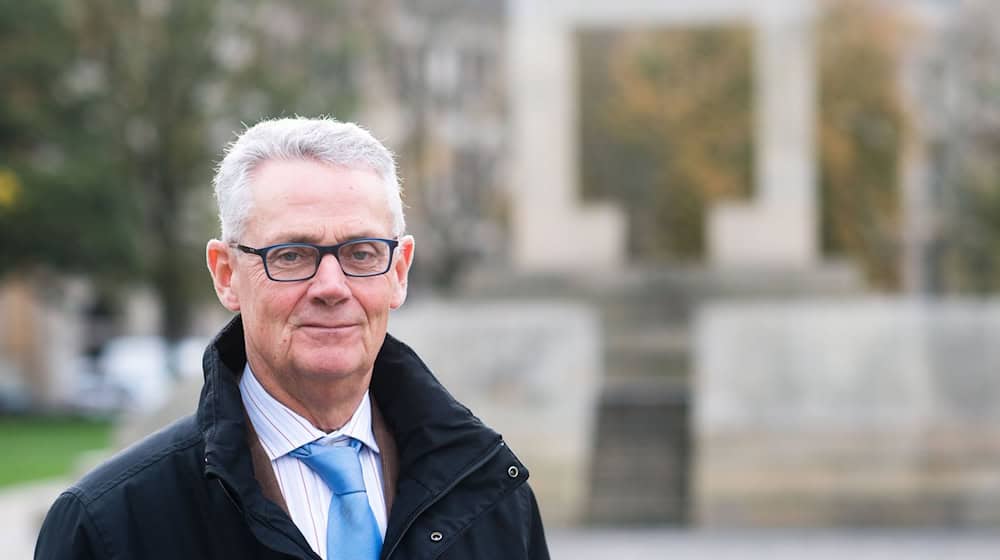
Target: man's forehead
{"points": [[309, 201], [287, 226], [284, 178]]}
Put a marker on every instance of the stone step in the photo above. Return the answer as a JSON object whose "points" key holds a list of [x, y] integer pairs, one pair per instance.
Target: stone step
{"points": [[664, 294], [661, 283], [640, 468], [647, 364], [648, 338], [655, 350], [619, 311]]}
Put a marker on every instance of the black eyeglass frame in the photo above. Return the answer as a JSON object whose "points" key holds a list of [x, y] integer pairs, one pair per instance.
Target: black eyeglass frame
{"points": [[322, 250]]}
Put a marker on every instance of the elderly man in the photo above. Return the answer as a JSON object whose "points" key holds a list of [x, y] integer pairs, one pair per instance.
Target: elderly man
{"points": [[317, 434]]}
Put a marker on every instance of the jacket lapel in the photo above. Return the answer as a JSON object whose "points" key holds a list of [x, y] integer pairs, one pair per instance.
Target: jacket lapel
{"points": [[262, 469], [264, 472], [389, 455]]}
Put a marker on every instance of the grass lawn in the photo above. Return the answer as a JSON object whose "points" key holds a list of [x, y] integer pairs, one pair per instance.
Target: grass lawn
{"points": [[36, 448]]}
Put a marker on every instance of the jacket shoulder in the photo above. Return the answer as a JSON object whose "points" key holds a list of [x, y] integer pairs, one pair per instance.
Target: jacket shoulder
{"points": [[146, 460], [88, 519]]}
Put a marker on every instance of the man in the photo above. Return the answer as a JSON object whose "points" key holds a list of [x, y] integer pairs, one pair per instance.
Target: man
{"points": [[317, 434]]}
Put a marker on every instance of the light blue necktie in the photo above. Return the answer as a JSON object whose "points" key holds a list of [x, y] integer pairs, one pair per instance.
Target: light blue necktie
{"points": [[351, 530]]}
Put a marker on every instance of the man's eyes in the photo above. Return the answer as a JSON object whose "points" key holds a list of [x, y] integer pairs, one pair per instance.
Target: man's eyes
{"points": [[289, 255], [362, 252]]}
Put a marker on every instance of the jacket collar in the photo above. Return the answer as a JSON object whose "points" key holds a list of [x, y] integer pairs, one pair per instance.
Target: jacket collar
{"points": [[220, 409], [223, 425], [437, 437]]}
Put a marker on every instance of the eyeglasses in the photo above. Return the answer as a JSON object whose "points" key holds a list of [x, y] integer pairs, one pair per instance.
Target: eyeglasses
{"points": [[294, 262]]}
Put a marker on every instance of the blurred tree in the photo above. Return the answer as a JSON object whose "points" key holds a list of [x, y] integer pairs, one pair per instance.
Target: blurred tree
{"points": [[112, 111], [448, 85], [59, 201], [149, 61], [308, 57], [666, 129], [861, 130], [960, 88]]}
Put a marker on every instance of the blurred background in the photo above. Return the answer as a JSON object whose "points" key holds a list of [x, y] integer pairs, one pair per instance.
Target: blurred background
{"points": [[721, 271]]}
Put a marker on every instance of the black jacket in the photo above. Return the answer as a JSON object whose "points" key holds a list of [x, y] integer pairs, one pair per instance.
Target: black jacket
{"points": [[189, 491]]}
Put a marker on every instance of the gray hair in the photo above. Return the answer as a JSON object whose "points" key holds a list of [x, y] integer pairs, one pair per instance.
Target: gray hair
{"points": [[323, 139]]}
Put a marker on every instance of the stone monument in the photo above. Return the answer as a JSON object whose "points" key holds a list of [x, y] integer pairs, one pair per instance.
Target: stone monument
{"points": [[778, 227]]}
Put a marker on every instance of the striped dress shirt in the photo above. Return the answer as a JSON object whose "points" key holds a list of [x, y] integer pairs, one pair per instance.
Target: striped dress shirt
{"points": [[308, 498]]}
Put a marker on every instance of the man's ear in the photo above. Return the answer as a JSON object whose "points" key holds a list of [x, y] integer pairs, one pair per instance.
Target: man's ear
{"points": [[401, 270], [221, 265]]}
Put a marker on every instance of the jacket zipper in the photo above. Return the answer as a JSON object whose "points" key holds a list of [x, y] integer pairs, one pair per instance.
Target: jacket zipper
{"points": [[413, 518], [232, 499]]}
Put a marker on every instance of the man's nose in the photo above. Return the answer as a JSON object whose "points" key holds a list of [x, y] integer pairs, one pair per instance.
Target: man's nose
{"points": [[330, 280]]}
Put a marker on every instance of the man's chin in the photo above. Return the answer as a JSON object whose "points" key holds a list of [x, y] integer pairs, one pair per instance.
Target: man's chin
{"points": [[327, 343], [331, 353], [331, 366]]}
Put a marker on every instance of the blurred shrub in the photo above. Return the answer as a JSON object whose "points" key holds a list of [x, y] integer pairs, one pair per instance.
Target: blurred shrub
{"points": [[960, 88], [666, 129], [862, 129]]}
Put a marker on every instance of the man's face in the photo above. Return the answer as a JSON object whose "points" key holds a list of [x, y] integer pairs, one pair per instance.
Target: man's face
{"points": [[331, 325]]}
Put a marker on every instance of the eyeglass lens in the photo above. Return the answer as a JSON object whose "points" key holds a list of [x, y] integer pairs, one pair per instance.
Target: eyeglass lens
{"points": [[358, 258]]}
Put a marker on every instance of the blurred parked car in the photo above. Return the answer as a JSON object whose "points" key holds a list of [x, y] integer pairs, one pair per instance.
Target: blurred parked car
{"points": [[138, 364], [14, 396], [134, 374]]}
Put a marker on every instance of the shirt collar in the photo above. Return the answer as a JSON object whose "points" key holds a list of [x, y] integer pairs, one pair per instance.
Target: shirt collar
{"points": [[282, 430]]}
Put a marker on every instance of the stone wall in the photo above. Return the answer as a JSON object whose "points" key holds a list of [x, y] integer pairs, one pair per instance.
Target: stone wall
{"points": [[853, 412]]}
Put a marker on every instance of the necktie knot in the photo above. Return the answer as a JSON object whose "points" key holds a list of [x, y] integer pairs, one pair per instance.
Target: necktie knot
{"points": [[338, 465]]}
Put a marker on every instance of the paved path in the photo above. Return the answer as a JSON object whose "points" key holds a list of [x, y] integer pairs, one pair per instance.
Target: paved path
{"points": [[781, 544], [22, 509]]}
